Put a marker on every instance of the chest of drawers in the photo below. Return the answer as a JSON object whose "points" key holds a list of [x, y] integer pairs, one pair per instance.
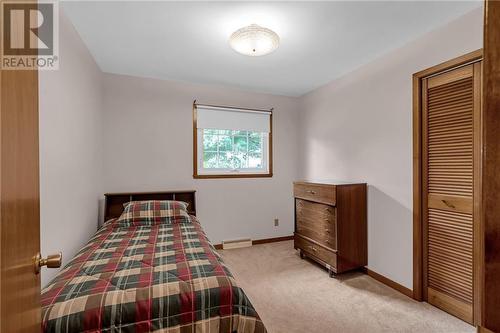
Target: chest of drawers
{"points": [[330, 224]]}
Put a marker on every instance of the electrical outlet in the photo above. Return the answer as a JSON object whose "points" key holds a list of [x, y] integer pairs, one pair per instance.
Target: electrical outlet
{"points": [[276, 222]]}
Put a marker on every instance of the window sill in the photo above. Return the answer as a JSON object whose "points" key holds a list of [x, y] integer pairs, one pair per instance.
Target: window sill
{"points": [[243, 175]]}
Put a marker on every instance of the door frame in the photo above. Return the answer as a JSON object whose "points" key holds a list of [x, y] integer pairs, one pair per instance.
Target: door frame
{"points": [[490, 321], [418, 222]]}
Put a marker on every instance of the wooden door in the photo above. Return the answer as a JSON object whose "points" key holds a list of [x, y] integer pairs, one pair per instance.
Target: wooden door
{"points": [[19, 196], [451, 113]]}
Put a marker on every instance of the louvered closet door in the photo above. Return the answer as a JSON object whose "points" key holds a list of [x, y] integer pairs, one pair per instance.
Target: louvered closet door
{"points": [[450, 104]]}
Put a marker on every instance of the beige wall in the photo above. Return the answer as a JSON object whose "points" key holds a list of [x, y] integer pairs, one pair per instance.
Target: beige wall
{"points": [[70, 148], [103, 132], [359, 127], [148, 146]]}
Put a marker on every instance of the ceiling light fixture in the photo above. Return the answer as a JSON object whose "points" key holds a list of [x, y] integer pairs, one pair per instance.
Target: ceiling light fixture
{"points": [[254, 40]]}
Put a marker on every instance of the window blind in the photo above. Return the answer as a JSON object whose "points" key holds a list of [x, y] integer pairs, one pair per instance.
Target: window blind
{"points": [[210, 117]]}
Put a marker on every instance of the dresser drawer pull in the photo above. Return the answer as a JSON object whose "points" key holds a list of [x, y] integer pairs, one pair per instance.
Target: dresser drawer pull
{"points": [[311, 192], [327, 230], [313, 248]]}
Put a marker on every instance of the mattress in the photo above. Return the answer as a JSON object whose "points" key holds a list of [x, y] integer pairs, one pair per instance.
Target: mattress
{"points": [[163, 278]]}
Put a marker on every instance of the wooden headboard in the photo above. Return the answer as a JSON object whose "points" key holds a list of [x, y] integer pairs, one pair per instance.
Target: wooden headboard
{"points": [[113, 206]]}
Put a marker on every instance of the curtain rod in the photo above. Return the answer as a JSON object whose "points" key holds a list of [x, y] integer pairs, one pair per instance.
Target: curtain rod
{"points": [[233, 108]]}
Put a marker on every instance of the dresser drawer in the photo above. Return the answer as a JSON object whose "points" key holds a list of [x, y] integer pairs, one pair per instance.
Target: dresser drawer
{"points": [[315, 192], [316, 221], [325, 238], [317, 251], [315, 211]]}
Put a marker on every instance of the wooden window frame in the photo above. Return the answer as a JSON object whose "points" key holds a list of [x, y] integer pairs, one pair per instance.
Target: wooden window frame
{"points": [[418, 292], [196, 175]]}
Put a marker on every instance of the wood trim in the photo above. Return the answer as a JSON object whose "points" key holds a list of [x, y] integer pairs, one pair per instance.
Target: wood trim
{"points": [[424, 194], [390, 283], [418, 232], [269, 174], [478, 229], [195, 141], [1, 200], [417, 189], [491, 161], [263, 241], [481, 329], [272, 240], [450, 64], [246, 175]]}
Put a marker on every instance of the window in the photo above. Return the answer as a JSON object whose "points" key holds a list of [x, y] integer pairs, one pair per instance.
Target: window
{"points": [[231, 142]]}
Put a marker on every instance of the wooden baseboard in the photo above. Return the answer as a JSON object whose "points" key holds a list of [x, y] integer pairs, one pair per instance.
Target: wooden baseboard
{"points": [[263, 241], [272, 240], [481, 329], [388, 282]]}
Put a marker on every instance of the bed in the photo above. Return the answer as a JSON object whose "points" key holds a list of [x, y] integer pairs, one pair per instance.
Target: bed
{"points": [[160, 278]]}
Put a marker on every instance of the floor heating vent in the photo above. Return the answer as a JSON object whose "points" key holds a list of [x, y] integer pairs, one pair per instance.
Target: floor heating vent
{"points": [[236, 243]]}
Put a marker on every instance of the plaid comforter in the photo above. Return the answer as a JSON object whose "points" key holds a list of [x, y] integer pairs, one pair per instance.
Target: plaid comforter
{"points": [[163, 278]]}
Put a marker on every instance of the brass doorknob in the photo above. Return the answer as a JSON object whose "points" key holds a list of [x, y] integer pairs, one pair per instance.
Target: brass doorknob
{"points": [[52, 261]]}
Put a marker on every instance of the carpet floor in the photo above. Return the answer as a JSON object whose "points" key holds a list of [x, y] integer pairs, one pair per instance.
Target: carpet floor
{"points": [[296, 296]]}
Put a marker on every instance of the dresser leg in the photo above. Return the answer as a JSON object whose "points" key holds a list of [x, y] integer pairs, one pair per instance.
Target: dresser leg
{"points": [[332, 273], [302, 256]]}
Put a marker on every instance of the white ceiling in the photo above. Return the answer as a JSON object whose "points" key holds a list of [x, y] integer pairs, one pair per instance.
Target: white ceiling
{"points": [[188, 41]]}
